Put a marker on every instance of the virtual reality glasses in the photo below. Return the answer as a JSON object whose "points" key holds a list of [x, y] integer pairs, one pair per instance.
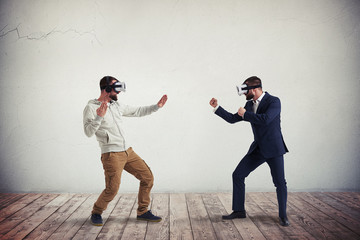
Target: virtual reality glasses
{"points": [[244, 88], [117, 86]]}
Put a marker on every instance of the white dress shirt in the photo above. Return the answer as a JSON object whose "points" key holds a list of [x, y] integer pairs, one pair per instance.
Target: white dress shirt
{"points": [[257, 102]]}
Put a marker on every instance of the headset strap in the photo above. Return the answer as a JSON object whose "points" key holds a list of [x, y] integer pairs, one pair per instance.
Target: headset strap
{"points": [[107, 84], [251, 87]]}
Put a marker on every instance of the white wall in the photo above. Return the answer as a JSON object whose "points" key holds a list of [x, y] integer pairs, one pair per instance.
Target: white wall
{"points": [[53, 54]]}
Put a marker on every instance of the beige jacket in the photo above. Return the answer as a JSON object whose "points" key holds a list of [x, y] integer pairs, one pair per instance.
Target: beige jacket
{"points": [[109, 129]]}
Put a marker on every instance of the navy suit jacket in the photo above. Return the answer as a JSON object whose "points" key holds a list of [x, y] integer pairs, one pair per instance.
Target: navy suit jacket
{"points": [[265, 124]]}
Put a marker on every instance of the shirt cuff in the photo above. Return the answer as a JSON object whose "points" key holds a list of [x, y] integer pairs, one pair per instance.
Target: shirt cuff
{"points": [[98, 118], [216, 108], [156, 107]]}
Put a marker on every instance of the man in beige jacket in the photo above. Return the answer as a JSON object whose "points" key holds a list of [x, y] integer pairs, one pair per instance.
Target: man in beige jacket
{"points": [[103, 118]]}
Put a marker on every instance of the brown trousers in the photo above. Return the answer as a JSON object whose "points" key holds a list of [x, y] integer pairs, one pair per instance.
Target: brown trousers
{"points": [[113, 164]]}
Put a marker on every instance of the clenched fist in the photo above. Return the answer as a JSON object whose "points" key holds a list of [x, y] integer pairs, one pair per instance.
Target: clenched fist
{"points": [[213, 102], [241, 111]]}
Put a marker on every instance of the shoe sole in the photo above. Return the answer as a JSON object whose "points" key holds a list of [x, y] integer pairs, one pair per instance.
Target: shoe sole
{"points": [[148, 220], [233, 218], [285, 225], [97, 224]]}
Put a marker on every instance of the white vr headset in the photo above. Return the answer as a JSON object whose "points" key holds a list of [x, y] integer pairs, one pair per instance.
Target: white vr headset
{"points": [[119, 87], [244, 88]]}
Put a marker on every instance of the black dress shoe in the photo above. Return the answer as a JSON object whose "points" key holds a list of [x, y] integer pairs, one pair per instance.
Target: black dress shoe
{"points": [[240, 214], [284, 222]]}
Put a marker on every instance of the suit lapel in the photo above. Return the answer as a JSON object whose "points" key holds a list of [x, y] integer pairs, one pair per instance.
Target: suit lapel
{"points": [[263, 102]]}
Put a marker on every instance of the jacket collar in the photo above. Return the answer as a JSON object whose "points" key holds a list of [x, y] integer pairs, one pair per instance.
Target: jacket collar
{"points": [[261, 97]]}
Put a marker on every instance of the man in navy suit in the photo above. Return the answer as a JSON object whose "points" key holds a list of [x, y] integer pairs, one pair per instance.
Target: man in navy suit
{"points": [[263, 112]]}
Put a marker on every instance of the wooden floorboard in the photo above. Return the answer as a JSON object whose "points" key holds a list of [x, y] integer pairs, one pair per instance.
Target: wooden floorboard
{"points": [[215, 209], [69, 228], [200, 222], [246, 227], [115, 225], [317, 222], [188, 216], [267, 224], [160, 206], [333, 212], [88, 231], [51, 224], [180, 226], [7, 199]]}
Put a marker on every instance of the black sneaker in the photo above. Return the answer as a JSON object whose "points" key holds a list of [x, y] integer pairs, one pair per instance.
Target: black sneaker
{"points": [[96, 220], [148, 216]]}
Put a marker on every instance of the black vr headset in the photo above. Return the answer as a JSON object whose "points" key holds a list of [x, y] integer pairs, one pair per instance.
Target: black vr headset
{"points": [[117, 86]]}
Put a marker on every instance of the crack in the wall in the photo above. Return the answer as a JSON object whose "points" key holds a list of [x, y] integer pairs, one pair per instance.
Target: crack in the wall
{"points": [[46, 35]]}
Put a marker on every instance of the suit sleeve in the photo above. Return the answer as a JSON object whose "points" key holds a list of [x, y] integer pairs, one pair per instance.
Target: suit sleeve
{"points": [[229, 117], [273, 110]]}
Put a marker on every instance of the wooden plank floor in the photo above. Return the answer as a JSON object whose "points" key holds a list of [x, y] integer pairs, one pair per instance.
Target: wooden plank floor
{"points": [[190, 216]]}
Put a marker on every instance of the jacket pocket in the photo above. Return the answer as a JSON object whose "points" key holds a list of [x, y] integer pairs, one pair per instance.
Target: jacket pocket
{"points": [[102, 137]]}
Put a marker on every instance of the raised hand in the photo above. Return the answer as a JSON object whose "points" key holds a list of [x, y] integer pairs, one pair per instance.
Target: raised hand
{"points": [[101, 111], [162, 101]]}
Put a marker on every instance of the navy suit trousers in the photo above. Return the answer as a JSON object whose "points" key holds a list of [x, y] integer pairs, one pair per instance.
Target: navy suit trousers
{"points": [[248, 164]]}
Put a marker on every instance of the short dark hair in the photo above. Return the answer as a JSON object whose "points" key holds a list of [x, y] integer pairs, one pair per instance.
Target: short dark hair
{"points": [[253, 81], [105, 81]]}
